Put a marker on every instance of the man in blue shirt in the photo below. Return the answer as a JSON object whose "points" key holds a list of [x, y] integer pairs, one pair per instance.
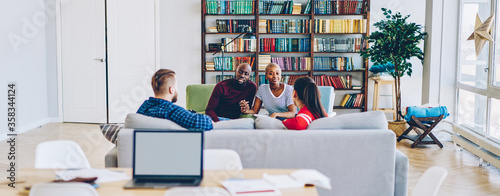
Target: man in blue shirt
{"points": [[162, 105]]}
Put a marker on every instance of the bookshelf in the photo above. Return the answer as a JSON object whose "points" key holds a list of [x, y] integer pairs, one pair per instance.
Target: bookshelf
{"points": [[298, 41]]}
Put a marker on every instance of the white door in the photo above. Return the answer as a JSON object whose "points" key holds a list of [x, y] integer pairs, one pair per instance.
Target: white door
{"points": [[132, 54], [82, 42]]}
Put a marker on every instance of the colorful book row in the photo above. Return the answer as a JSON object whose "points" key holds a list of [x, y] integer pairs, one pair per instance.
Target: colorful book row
{"points": [[340, 7], [292, 63], [234, 26], [287, 79], [239, 45], [333, 64], [229, 63], [338, 44], [285, 44], [229, 7], [279, 7], [340, 25], [219, 78], [284, 26], [338, 82], [352, 100]]}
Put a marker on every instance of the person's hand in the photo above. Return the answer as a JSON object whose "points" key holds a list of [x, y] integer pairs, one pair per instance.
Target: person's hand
{"points": [[274, 115], [244, 107]]}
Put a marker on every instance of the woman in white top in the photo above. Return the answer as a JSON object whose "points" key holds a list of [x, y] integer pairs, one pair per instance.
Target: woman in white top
{"points": [[276, 96]]}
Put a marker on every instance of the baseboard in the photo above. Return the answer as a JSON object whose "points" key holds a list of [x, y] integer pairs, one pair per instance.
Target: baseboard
{"points": [[27, 127], [55, 119]]}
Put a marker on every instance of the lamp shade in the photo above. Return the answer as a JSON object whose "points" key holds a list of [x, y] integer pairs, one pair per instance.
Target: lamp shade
{"points": [[249, 36]]}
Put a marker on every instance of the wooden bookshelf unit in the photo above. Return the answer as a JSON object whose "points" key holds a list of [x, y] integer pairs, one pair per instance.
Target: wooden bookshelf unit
{"points": [[328, 43]]}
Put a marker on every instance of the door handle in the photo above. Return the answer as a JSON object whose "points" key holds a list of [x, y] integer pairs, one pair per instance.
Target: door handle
{"points": [[102, 60]]}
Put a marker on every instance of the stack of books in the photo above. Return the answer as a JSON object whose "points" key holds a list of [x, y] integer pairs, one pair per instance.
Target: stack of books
{"points": [[210, 66], [264, 60], [262, 26], [297, 7], [212, 30]]}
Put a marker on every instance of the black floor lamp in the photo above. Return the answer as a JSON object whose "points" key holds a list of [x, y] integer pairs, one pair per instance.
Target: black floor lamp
{"points": [[247, 31]]}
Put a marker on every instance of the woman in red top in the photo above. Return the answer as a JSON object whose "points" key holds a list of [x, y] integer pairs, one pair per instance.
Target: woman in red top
{"points": [[307, 99]]}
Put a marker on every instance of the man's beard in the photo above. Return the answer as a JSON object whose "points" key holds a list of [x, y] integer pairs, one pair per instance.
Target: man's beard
{"points": [[244, 80], [174, 99]]}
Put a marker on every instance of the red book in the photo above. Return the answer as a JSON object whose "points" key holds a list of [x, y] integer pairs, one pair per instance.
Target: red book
{"points": [[273, 44], [331, 82]]}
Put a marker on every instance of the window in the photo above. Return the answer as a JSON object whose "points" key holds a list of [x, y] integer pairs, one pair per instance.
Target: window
{"points": [[478, 79]]}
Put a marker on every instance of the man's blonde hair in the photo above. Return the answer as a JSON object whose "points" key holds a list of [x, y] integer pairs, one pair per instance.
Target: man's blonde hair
{"points": [[162, 80]]}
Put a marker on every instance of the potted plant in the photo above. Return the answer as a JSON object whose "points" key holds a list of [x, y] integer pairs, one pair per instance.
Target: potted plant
{"points": [[396, 42]]}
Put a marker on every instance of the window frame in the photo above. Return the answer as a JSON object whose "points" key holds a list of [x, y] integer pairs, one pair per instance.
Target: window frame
{"points": [[491, 90]]}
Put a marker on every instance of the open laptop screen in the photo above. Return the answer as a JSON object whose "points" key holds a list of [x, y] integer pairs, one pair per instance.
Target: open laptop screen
{"points": [[168, 153]]}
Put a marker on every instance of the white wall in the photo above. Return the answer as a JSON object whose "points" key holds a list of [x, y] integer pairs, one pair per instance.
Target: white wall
{"points": [[51, 44], [24, 62], [180, 39]]}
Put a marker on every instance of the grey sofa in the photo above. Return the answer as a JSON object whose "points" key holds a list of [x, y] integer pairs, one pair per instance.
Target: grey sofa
{"points": [[356, 151]]}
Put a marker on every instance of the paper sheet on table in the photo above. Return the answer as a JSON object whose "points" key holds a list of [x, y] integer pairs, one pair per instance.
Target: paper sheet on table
{"points": [[283, 181], [103, 175]]}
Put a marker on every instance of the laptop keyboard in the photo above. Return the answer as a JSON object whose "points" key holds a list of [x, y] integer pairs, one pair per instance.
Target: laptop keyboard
{"points": [[165, 181]]}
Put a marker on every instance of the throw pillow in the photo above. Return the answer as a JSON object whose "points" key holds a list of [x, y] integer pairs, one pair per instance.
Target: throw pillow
{"points": [[139, 121], [266, 122], [242, 123], [110, 131], [364, 120]]}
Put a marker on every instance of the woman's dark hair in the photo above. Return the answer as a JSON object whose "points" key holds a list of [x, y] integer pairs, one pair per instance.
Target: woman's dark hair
{"points": [[308, 92]]}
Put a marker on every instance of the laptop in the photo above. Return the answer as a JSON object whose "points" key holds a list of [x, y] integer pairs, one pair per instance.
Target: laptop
{"points": [[164, 159]]}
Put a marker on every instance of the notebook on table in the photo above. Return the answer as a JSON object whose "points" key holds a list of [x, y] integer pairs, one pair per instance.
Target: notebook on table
{"points": [[164, 159]]}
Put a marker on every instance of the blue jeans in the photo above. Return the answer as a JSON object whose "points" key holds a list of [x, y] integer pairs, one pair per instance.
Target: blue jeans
{"points": [[223, 118]]}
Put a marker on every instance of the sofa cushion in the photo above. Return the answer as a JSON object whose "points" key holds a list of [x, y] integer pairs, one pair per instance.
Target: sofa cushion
{"points": [[364, 120], [242, 123], [266, 122], [139, 121]]}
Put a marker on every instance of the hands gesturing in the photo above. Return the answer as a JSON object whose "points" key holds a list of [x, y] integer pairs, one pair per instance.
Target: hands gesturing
{"points": [[244, 107]]}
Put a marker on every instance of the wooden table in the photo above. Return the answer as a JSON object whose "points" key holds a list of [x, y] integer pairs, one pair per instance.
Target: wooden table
{"points": [[212, 178]]}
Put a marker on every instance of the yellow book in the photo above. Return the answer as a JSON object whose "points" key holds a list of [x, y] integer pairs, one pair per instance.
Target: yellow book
{"points": [[344, 100], [321, 26]]}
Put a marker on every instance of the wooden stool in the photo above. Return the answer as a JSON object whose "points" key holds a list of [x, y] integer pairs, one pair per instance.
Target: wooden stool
{"points": [[376, 96], [426, 124]]}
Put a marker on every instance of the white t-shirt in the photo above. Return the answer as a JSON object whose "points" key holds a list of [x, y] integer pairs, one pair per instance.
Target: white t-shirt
{"points": [[272, 103]]}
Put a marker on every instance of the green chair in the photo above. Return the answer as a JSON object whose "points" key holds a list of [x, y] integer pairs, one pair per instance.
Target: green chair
{"points": [[197, 96]]}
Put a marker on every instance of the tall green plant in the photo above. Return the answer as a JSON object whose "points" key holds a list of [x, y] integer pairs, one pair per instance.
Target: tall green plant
{"points": [[396, 41]]}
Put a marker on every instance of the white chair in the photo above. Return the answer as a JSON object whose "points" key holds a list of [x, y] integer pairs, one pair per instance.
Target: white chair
{"points": [[221, 159], [429, 183], [195, 191], [61, 154], [63, 189]]}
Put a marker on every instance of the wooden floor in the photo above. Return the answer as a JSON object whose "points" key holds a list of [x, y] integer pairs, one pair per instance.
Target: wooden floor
{"points": [[465, 177]]}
